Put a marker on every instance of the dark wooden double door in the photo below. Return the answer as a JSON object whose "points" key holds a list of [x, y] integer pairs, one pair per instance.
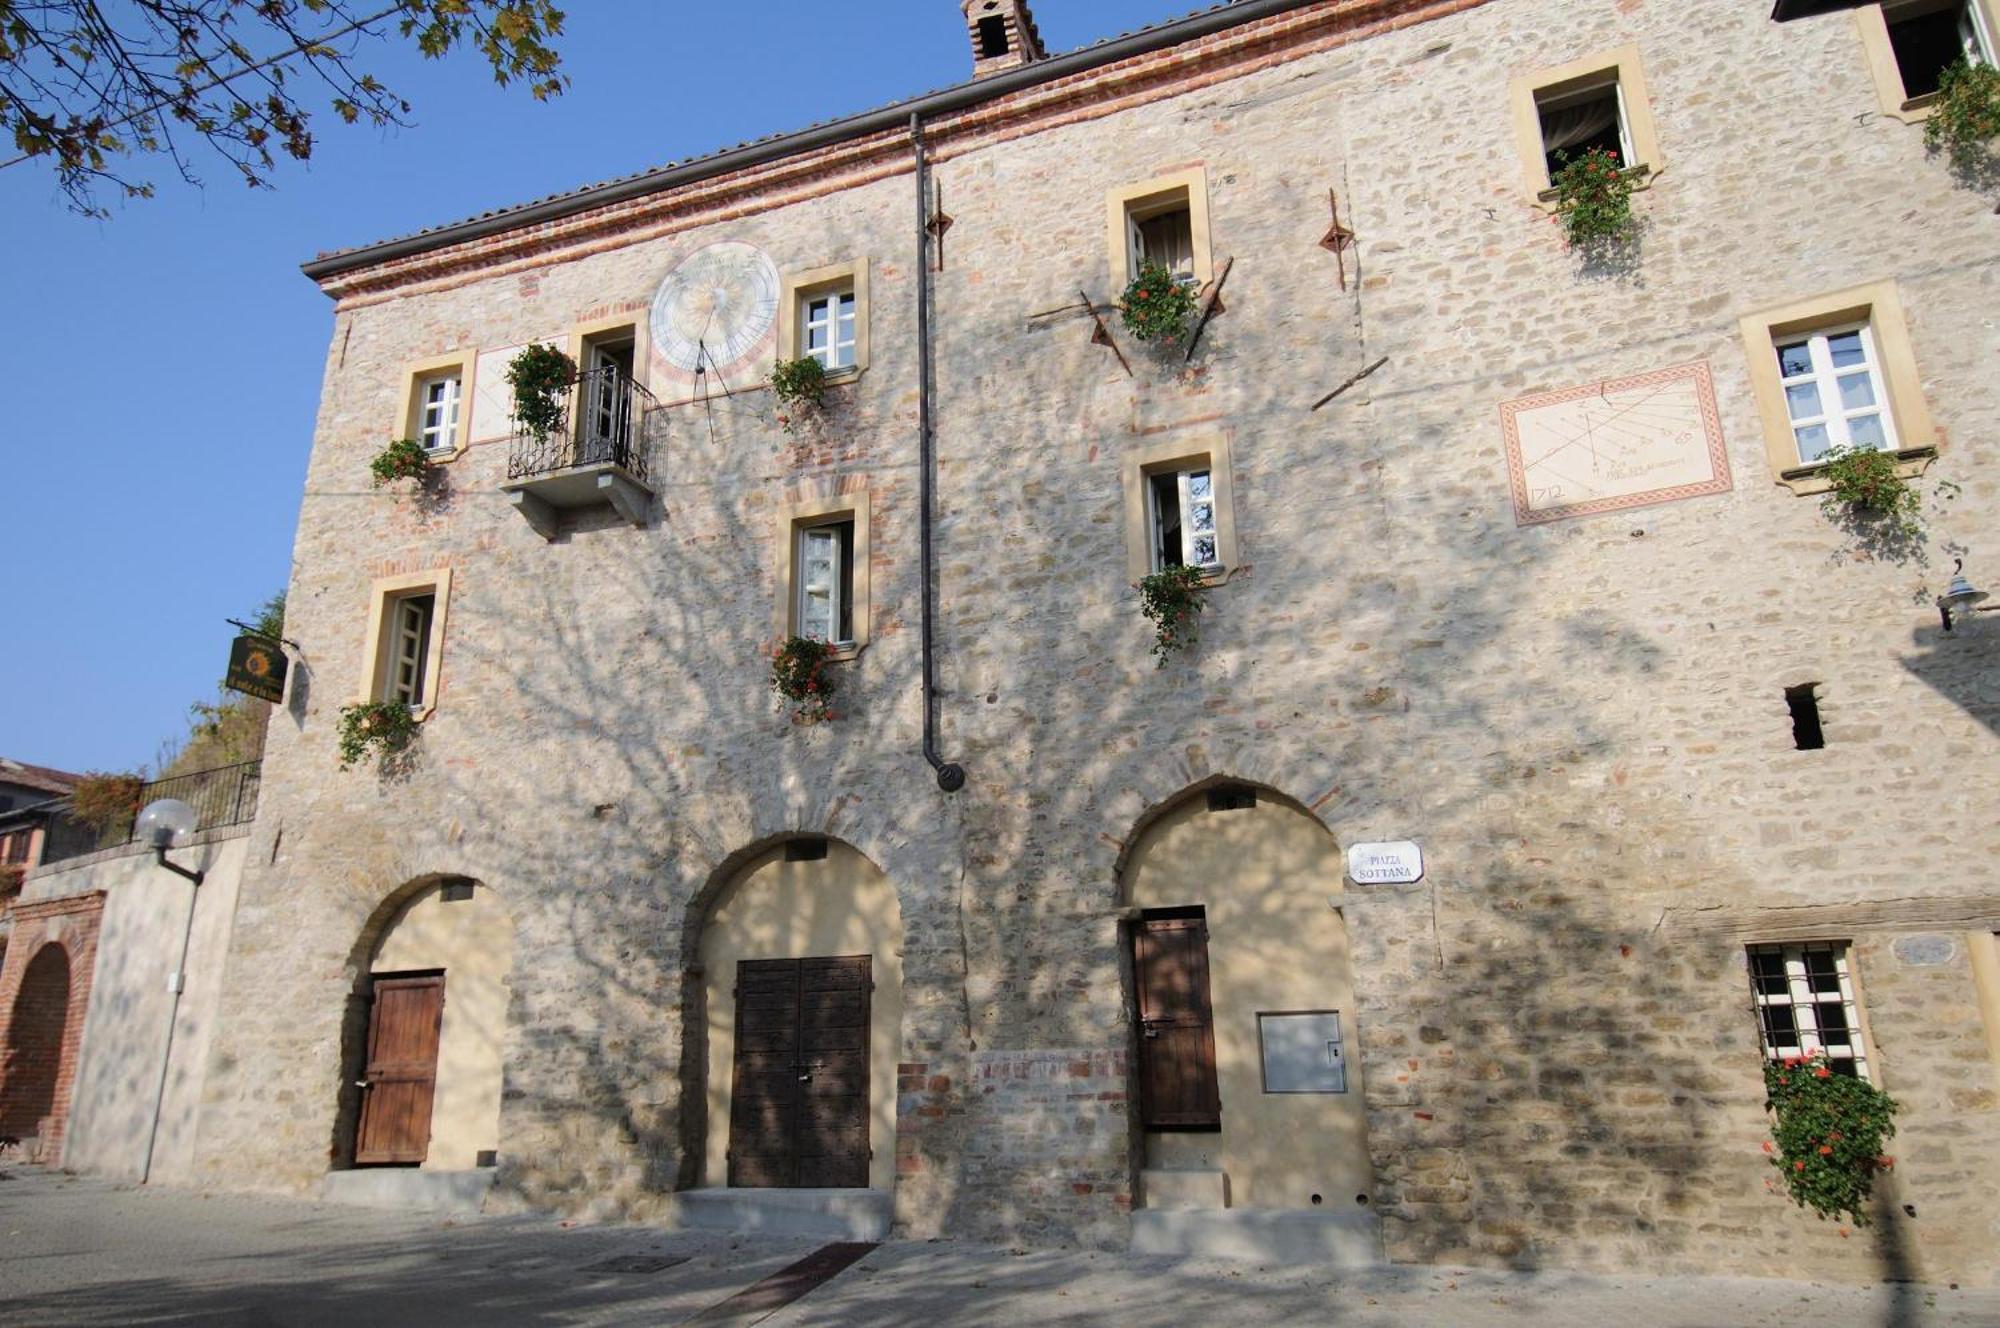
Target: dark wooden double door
{"points": [[1177, 1088], [399, 1082], [798, 1105]]}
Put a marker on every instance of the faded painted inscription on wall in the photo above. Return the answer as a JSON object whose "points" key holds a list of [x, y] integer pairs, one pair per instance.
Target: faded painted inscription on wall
{"points": [[1623, 442]]}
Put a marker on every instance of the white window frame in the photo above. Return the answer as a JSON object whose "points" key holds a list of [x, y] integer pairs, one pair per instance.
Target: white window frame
{"points": [[411, 622], [437, 420], [836, 535], [1803, 999], [831, 312], [1183, 478], [1825, 378]]}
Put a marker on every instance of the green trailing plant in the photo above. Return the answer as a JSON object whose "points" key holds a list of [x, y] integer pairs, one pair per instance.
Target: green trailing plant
{"points": [[800, 387], [1594, 199], [385, 727], [107, 803], [1157, 304], [1171, 599], [403, 459], [541, 377], [1965, 118], [1864, 483], [799, 674], [1828, 1133]]}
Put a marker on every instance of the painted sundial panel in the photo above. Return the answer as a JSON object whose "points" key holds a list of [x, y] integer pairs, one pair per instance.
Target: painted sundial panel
{"points": [[715, 308], [1624, 442]]}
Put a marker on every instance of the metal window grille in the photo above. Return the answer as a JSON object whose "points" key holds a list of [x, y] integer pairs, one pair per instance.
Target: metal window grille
{"points": [[1804, 997]]}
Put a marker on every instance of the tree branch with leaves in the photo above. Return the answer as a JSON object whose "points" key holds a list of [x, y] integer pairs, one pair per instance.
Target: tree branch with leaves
{"points": [[88, 85]]}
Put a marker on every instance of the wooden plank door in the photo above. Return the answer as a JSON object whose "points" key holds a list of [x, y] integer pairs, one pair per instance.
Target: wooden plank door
{"points": [[833, 1072], [764, 1090], [1177, 1088], [798, 1105], [404, 1017]]}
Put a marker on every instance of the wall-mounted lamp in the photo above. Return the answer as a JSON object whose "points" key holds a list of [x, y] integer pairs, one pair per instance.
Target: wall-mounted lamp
{"points": [[1961, 598], [164, 823]]}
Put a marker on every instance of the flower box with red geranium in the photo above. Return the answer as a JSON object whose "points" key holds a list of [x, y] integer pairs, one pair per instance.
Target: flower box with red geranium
{"points": [[799, 674], [1158, 304], [1828, 1134], [1594, 198]]}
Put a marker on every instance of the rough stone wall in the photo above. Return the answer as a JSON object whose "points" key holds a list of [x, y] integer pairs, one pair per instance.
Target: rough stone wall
{"points": [[1583, 723]]}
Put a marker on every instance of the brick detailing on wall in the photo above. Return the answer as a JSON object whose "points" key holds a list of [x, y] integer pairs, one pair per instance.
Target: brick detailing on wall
{"points": [[1136, 81], [45, 982], [1051, 1129]]}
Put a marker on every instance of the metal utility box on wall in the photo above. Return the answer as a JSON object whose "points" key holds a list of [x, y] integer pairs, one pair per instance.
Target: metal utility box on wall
{"points": [[1303, 1052]]}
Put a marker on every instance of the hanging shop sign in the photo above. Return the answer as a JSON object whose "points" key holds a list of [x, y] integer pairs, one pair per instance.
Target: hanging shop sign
{"points": [[1399, 863], [256, 668]]}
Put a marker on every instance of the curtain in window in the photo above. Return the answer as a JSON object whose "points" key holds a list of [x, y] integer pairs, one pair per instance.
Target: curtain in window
{"points": [[1567, 126]]}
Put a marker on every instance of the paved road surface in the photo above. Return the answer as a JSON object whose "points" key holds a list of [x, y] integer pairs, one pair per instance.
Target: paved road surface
{"points": [[87, 1252]]}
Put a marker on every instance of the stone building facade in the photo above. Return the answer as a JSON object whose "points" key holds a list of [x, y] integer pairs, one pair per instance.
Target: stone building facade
{"points": [[1580, 704]]}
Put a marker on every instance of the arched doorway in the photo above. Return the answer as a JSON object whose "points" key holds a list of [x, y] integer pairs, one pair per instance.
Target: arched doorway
{"points": [[426, 1046], [1247, 1061], [33, 1068], [801, 955]]}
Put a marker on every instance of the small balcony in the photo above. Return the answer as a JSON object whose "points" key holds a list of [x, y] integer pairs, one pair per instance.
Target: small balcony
{"points": [[597, 461]]}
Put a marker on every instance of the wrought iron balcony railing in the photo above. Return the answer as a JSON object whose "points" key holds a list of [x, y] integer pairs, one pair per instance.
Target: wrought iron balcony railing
{"points": [[613, 408], [224, 796]]}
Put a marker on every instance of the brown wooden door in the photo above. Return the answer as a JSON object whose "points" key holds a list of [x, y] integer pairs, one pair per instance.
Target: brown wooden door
{"points": [[1176, 1024], [798, 1105], [404, 1017]]}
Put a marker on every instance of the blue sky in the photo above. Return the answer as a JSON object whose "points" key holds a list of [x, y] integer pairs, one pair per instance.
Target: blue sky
{"points": [[166, 363]]}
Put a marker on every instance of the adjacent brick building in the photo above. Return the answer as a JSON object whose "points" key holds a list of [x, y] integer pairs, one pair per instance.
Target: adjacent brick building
{"points": [[1514, 552]]}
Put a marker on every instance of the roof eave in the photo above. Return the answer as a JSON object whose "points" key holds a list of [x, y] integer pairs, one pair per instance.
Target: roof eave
{"points": [[964, 95]]}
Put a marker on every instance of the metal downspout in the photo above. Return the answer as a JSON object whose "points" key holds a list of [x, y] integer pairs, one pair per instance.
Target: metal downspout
{"points": [[950, 777]]}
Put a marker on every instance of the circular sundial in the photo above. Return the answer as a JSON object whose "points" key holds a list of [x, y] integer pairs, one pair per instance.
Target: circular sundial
{"points": [[715, 307]]}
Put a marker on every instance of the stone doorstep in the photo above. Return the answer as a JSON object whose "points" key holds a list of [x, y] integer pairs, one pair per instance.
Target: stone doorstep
{"points": [[850, 1215], [410, 1188], [1348, 1240], [1178, 1189]]}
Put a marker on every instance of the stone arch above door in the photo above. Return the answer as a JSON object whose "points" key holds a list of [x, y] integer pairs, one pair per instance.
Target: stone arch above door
{"points": [[804, 899], [448, 939], [1261, 879]]}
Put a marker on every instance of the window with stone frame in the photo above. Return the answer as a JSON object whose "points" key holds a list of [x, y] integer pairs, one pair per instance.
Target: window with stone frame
{"points": [[1163, 220], [405, 646], [1597, 102], [1804, 996], [1179, 502], [823, 315]]}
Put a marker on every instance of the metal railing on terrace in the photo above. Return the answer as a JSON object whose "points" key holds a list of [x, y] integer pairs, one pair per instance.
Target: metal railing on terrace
{"points": [[614, 408], [226, 795]]}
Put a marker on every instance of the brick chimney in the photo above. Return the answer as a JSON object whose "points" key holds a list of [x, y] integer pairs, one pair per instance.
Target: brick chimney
{"points": [[1003, 35]]}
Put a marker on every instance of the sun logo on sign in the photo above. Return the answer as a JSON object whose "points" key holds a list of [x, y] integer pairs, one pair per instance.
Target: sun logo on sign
{"points": [[257, 664]]}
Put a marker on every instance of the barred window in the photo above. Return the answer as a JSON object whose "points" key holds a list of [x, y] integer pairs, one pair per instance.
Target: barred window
{"points": [[1805, 1004]]}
